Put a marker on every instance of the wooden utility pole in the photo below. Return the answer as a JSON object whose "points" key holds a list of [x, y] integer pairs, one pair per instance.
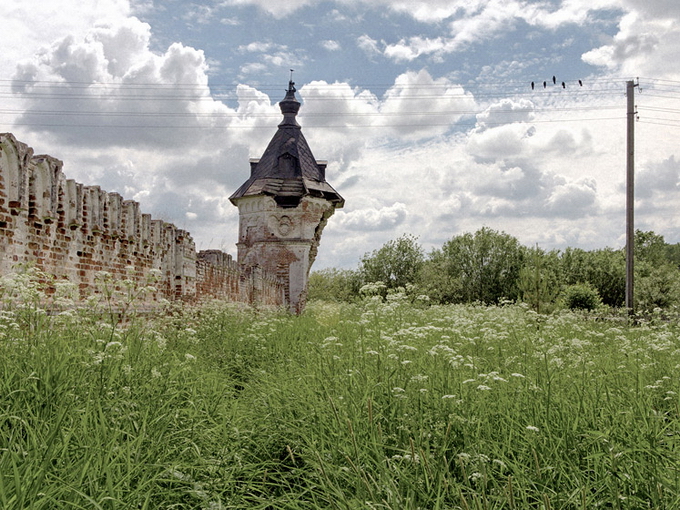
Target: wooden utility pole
{"points": [[630, 198]]}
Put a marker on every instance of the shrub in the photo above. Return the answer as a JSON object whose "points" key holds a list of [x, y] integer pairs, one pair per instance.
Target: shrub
{"points": [[658, 288], [582, 296]]}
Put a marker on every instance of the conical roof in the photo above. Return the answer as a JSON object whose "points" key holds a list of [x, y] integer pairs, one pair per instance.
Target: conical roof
{"points": [[288, 170]]}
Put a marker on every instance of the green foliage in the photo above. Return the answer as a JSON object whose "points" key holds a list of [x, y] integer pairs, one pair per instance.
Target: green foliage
{"points": [[437, 282], [657, 275], [657, 287], [334, 285], [539, 280], [483, 266], [397, 263], [603, 269], [489, 266], [650, 248], [581, 296], [672, 254], [377, 404]]}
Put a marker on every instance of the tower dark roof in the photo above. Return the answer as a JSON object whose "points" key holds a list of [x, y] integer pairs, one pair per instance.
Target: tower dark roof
{"points": [[287, 170]]}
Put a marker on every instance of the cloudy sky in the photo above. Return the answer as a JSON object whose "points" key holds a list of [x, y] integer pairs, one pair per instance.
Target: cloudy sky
{"points": [[423, 108]]}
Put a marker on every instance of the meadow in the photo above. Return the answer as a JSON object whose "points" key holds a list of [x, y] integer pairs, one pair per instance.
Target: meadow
{"points": [[382, 404]]}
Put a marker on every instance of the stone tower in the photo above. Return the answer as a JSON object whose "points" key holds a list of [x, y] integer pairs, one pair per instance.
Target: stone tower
{"points": [[284, 206]]}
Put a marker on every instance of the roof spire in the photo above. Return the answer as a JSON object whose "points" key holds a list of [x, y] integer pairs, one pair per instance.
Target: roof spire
{"points": [[290, 105]]}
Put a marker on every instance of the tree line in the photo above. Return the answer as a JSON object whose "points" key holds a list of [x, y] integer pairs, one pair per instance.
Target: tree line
{"points": [[489, 267]]}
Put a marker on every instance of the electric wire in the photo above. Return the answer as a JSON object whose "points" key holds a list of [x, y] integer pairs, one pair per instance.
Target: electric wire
{"points": [[317, 126], [113, 95]]}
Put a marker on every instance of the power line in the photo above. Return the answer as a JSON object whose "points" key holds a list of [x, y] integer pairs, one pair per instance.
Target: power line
{"points": [[235, 115], [318, 126], [544, 101]]}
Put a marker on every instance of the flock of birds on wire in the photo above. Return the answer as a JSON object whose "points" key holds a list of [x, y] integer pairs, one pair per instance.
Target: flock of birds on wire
{"points": [[554, 80]]}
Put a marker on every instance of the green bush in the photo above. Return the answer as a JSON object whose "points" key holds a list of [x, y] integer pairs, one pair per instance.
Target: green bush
{"points": [[657, 287], [334, 285], [582, 296]]}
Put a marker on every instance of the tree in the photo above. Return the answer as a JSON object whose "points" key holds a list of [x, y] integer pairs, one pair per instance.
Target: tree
{"points": [[397, 263], [603, 269], [437, 282], [673, 254], [539, 282], [485, 265], [334, 285], [659, 288], [650, 247], [657, 279], [581, 296]]}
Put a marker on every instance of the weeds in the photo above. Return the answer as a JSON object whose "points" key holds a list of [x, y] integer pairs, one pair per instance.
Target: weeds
{"points": [[381, 404]]}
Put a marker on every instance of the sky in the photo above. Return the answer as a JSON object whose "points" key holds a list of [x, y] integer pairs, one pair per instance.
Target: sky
{"points": [[424, 109]]}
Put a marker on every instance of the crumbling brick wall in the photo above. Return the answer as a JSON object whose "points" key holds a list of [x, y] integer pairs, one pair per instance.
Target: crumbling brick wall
{"points": [[73, 231], [219, 276]]}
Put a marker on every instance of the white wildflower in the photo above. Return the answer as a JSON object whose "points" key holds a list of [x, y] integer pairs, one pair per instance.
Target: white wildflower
{"points": [[475, 477]]}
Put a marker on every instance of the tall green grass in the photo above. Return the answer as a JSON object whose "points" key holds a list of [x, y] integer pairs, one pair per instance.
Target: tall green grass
{"points": [[384, 405]]}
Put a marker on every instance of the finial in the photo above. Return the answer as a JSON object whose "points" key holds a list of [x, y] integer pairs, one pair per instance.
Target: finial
{"points": [[291, 83], [290, 105]]}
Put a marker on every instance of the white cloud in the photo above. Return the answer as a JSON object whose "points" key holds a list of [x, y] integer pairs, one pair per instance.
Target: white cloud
{"points": [[260, 47], [329, 45], [276, 8], [55, 18], [658, 179], [368, 45], [506, 111], [232, 22], [644, 46], [419, 105], [481, 20], [573, 199], [200, 14], [414, 47], [500, 142], [341, 121], [118, 81], [270, 56], [252, 68], [384, 218]]}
